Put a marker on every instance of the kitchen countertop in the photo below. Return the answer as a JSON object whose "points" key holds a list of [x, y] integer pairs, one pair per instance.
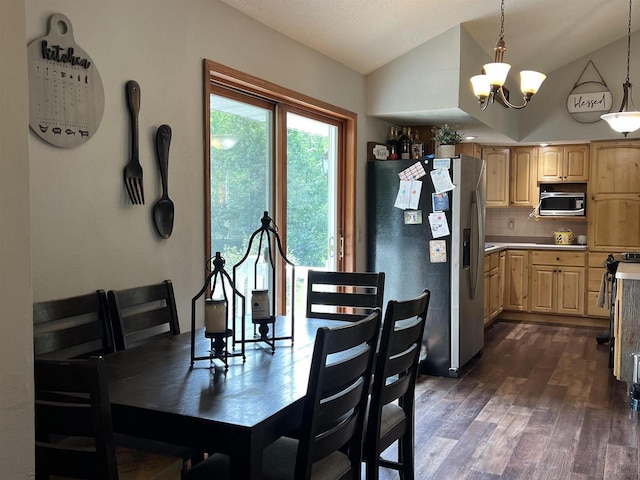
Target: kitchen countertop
{"points": [[491, 247], [629, 271]]}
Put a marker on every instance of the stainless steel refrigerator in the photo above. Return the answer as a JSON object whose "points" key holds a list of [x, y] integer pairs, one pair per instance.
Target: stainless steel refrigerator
{"points": [[399, 242]]}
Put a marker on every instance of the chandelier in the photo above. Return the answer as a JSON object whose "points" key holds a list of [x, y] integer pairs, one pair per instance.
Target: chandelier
{"points": [[625, 121], [490, 85]]}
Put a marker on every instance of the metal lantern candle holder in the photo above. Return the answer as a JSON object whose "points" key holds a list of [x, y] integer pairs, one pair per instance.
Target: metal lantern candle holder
{"points": [[263, 301], [216, 315]]}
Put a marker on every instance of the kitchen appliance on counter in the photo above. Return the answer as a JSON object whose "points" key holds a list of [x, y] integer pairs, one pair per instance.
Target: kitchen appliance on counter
{"points": [[562, 204], [405, 251]]}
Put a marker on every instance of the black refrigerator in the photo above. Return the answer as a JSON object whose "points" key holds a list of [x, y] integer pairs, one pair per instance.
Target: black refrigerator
{"points": [[401, 243]]}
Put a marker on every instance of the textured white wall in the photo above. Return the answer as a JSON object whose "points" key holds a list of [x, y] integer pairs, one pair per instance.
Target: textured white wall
{"points": [[16, 350], [86, 235]]}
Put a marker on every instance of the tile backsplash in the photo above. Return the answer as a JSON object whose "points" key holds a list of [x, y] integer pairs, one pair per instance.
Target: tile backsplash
{"points": [[517, 222]]}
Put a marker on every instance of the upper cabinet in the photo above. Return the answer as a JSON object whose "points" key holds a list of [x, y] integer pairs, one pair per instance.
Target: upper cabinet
{"points": [[563, 163], [511, 176], [523, 188], [613, 204], [497, 166]]}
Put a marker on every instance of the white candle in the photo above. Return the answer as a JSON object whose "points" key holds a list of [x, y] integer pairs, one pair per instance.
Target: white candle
{"points": [[215, 316], [260, 304]]}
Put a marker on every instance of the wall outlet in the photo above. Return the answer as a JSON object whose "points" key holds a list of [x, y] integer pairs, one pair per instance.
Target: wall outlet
{"points": [[511, 223]]}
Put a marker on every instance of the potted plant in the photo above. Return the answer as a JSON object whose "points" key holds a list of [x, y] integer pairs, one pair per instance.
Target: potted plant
{"points": [[446, 139]]}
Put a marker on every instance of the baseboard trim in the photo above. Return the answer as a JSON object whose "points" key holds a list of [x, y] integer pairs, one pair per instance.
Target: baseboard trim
{"points": [[554, 319]]}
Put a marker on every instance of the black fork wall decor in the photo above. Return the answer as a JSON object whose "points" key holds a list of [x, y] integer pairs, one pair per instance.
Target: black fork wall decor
{"points": [[133, 169]]}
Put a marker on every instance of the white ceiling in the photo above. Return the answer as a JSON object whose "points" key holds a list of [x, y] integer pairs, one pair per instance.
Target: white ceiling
{"points": [[364, 35]]}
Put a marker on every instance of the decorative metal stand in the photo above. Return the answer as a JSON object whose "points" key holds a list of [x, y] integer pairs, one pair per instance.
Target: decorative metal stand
{"points": [[217, 340], [268, 238]]}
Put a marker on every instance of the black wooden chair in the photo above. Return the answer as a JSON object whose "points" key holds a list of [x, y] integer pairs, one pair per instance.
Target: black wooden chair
{"points": [[391, 407], [73, 430], [346, 296], [73, 327], [142, 314], [329, 445]]}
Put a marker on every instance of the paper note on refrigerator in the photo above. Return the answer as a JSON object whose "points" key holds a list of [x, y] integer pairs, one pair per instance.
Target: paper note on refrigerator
{"points": [[437, 251], [408, 196], [441, 180], [439, 225], [414, 172]]}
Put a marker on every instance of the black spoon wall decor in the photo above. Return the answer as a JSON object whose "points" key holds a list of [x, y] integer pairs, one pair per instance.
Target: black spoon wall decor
{"points": [[163, 210]]}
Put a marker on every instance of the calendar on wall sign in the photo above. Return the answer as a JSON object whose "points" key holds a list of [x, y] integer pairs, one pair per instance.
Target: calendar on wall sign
{"points": [[66, 95]]}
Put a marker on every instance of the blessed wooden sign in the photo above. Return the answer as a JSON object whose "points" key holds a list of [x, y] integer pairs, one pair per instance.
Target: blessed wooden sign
{"points": [[589, 102]]}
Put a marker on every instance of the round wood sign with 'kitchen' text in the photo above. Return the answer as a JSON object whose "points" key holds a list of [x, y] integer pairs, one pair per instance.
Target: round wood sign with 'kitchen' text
{"points": [[66, 96]]}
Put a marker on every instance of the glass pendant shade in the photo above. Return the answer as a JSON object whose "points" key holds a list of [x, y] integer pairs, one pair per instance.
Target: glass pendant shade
{"points": [[530, 81], [480, 84], [496, 73], [623, 122]]}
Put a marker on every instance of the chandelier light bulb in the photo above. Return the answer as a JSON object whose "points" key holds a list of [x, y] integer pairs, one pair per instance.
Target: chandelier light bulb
{"points": [[530, 81], [497, 73]]}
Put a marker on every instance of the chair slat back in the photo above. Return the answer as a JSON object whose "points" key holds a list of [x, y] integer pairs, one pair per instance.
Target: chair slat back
{"points": [[349, 296], [74, 435], [336, 400], [73, 327], [395, 372], [143, 314]]}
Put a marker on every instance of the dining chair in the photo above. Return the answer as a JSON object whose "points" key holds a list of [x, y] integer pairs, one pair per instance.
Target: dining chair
{"points": [[142, 314], [73, 430], [329, 442], [73, 327], [391, 405], [346, 296], [139, 315]]}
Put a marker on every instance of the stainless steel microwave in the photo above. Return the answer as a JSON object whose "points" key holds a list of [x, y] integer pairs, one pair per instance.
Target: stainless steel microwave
{"points": [[562, 204]]}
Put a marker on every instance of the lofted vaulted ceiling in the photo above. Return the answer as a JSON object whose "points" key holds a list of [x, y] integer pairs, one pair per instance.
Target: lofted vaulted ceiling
{"points": [[364, 35]]}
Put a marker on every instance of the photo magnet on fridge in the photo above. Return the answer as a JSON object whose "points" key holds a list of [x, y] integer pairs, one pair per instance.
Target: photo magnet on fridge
{"points": [[437, 251], [440, 202]]}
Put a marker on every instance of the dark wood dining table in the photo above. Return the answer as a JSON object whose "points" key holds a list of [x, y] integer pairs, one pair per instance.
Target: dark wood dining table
{"points": [[155, 394]]}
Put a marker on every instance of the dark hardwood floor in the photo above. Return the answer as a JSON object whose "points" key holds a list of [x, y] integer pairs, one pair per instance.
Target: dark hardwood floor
{"points": [[539, 403]]}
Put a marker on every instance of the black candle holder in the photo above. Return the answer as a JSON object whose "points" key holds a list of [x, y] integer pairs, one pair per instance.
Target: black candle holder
{"points": [[269, 238], [217, 340]]}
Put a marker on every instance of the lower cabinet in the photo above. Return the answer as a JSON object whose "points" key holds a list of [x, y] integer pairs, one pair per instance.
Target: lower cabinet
{"points": [[595, 273], [557, 282], [493, 285], [516, 280]]}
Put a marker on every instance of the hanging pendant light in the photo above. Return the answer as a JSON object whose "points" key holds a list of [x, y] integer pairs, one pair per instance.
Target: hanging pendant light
{"points": [[490, 85], [625, 121]]}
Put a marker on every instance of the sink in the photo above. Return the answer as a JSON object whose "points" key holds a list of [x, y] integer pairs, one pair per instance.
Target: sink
{"points": [[488, 245]]}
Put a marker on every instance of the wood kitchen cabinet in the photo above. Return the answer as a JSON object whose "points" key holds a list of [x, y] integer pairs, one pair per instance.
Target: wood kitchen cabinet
{"points": [[493, 285], [595, 272], [469, 148], [557, 282], [563, 163], [523, 186], [516, 280], [497, 168], [613, 200], [511, 176]]}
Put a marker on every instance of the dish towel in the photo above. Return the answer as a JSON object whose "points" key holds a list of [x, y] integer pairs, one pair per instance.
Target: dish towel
{"points": [[602, 293]]}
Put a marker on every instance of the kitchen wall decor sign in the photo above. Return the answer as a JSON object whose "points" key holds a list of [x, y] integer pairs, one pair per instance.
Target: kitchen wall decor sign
{"points": [[66, 95], [589, 98]]}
